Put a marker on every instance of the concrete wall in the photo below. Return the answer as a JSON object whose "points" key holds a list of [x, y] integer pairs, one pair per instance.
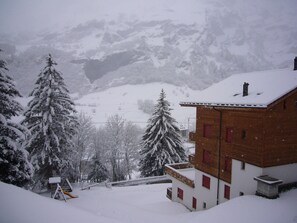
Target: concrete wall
{"points": [[243, 180], [209, 196], [188, 193], [222, 191], [286, 173]]}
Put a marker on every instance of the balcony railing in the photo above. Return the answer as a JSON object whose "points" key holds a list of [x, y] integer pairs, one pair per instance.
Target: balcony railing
{"points": [[169, 193], [172, 170], [192, 136], [192, 159]]}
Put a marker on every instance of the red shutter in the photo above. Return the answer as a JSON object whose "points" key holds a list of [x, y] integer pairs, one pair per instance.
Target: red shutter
{"points": [[206, 181], [194, 203], [227, 192], [207, 129], [229, 135], [206, 157], [180, 193], [228, 164]]}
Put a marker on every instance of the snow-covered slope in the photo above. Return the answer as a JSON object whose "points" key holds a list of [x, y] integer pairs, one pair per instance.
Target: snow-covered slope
{"points": [[136, 204], [193, 42], [18, 205], [125, 101]]}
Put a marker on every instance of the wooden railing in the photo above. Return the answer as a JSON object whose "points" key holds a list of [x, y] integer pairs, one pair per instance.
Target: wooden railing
{"points": [[172, 171], [192, 136], [169, 193], [192, 159]]}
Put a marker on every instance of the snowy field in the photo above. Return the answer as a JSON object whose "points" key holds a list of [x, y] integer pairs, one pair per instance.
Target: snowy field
{"points": [[145, 204], [123, 100]]}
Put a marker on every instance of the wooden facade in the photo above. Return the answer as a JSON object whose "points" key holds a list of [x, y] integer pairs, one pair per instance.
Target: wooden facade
{"points": [[263, 137]]}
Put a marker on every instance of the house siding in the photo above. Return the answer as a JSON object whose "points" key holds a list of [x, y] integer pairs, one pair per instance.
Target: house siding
{"points": [[280, 133], [264, 139]]}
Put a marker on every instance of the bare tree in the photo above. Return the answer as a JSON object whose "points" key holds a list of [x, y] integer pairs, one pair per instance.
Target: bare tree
{"points": [[115, 129], [83, 145], [117, 145], [131, 146]]}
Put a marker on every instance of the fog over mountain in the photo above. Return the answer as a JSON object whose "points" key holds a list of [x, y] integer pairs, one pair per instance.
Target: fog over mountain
{"points": [[100, 44]]}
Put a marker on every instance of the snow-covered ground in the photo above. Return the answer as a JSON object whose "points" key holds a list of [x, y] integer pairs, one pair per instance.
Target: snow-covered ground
{"points": [[123, 100], [138, 204]]}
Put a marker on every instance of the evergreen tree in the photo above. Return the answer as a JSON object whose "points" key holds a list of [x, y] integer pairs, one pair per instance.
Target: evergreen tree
{"points": [[98, 169], [161, 141], [51, 119], [98, 172], [14, 165]]}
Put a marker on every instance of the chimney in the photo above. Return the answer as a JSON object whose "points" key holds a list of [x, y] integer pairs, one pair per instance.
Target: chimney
{"points": [[295, 63], [245, 89]]}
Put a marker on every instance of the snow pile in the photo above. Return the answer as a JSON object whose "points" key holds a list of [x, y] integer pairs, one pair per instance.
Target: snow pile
{"points": [[138, 204], [18, 205]]}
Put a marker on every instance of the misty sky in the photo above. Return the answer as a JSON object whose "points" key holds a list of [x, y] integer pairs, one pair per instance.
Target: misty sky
{"points": [[20, 15], [39, 15]]}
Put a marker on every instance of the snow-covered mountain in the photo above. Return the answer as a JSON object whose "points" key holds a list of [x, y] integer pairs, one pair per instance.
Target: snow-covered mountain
{"points": [[193, 43]]}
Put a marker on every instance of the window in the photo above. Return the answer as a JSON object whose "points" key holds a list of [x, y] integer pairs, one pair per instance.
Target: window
{"points": [[228, 164], [227, 192], [241, 193], [206, 182], [243, 134], [180, 193], [206, 157], [194, 203], [229, 135], [207, 130], [243, 165], [204, 205], [285, 105]]}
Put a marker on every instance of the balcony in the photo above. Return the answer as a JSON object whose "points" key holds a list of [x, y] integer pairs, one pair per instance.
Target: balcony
{"points": [[192, 136], [169, 193], [192, 159], [183, 172]]}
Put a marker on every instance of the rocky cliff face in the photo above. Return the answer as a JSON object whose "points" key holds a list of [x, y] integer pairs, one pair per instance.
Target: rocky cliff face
{"points": [[224, 37]]}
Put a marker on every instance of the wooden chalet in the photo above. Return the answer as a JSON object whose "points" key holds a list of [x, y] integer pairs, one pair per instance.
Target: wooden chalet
{"points": [[246, 133]]}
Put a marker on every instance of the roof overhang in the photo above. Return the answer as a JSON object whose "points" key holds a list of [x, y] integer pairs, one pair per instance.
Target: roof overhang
{"points": [[227, 105]]}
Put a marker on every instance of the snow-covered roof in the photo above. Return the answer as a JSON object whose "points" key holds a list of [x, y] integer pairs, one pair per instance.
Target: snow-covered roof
{"points": [[264, 88]]}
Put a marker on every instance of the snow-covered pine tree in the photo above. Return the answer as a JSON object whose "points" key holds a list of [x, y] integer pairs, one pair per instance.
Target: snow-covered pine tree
{"points": [[98, 172], [51, 119], [161, 141], [98, 168], [14, 165]]}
